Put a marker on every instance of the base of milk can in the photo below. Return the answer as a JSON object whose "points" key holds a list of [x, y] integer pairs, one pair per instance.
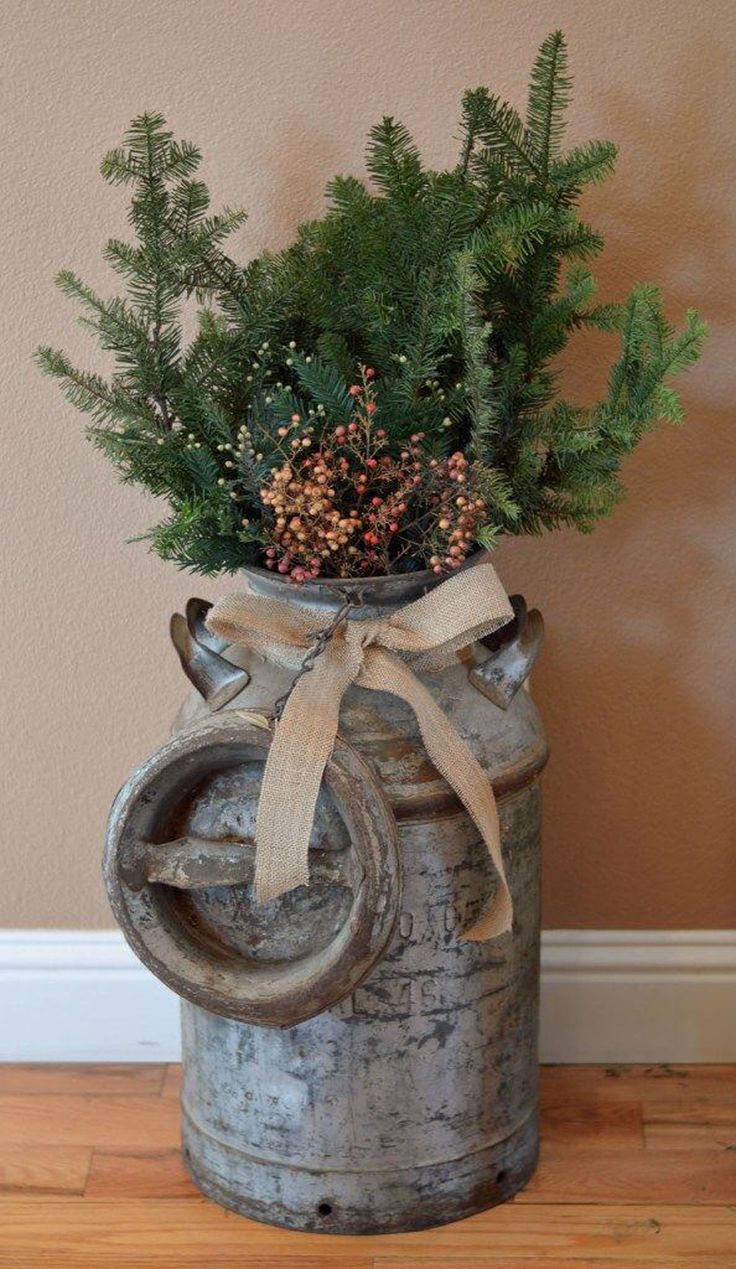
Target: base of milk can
{"points": [[392, 1202]]}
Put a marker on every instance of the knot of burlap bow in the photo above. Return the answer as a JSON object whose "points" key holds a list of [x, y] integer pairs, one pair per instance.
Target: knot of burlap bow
{"points": [[381, 655]]}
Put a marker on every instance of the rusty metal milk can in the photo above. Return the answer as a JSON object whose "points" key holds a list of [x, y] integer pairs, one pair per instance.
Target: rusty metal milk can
{"points": [[351, 1064]]}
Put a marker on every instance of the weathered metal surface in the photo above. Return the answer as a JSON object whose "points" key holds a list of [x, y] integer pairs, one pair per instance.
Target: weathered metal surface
{"points": [[372, 595], [179, 862], [197, 863], [412, 1101], [196, 617], [515, 649], [215, 678]]}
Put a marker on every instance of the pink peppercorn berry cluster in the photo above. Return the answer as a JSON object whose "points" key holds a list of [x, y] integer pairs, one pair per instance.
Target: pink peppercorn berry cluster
{"points": [[459, 516], [342, 504]]}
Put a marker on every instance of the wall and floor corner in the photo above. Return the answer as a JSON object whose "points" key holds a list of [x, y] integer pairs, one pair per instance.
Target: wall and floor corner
{"points": [[638, 679], [607, 996]]}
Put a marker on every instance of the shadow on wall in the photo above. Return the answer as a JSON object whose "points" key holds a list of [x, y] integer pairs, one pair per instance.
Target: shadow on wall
{"points": [[638, 683], [298, 160]]}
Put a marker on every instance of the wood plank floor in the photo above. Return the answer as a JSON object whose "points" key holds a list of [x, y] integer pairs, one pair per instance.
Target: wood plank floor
{"points": [[638, 1168]]}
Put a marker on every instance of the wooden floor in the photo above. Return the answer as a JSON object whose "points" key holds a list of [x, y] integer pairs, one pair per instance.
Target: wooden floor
{"points": [[638, 1168]]}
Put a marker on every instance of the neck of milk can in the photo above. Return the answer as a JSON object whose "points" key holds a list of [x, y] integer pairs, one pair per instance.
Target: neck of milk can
{"points": [[371, 596]]}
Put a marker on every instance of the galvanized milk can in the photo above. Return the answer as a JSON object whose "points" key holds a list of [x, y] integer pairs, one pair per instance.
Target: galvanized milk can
{"points": [[351, 1064]]}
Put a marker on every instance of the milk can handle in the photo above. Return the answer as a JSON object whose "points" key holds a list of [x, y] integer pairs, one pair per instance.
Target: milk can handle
{"points": [[514, 649], [215, 678], [194, 863]]}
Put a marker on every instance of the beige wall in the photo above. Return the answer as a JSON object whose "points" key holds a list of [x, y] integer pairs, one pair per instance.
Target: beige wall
{"points": [[637, 682]]}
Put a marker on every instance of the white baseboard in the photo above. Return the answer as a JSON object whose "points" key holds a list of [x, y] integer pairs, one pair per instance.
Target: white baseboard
{"points": [[81, 996], [607, 996], [638, 996]]}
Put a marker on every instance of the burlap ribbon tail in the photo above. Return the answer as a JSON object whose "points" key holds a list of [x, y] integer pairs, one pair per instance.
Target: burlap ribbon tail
{"points": [[381, 655]]}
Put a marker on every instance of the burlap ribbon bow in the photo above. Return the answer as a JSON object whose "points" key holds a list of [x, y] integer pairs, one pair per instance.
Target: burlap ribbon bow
{"points": [[379, 654]]}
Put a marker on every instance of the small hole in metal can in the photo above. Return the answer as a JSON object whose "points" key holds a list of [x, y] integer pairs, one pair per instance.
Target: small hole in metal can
{"points": [[324, 1209]]}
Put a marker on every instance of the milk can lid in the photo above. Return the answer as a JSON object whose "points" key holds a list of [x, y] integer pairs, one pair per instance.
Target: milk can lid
{"points": [[179, 864]]}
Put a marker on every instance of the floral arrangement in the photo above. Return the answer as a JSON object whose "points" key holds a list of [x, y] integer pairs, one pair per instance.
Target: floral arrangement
{"points": [[380, 396]]}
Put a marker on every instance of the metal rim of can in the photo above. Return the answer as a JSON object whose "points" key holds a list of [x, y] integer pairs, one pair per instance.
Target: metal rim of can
{"points": [[241, 988]]}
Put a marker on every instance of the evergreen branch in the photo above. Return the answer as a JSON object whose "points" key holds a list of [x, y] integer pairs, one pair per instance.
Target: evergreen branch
{"points": [[473, 109], [478, 374], [502, 131], [393, 161], [119, 167], [588, 164], [549, 96], [458, 288], [189, 202], [89, 392], [325, 386]]}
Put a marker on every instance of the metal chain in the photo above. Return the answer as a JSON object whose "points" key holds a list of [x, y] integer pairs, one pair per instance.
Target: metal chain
{"points": [[320, 643]]}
